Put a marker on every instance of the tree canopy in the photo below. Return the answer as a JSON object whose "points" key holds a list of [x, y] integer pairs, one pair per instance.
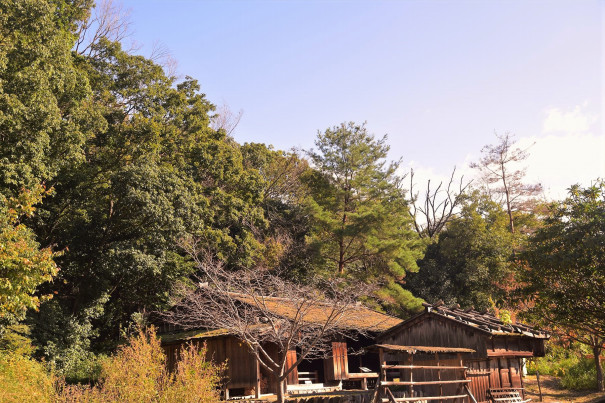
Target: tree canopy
{"points": [[565, 271], [361, 225]]}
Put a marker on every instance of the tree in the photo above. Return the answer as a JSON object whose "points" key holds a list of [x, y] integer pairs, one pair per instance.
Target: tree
{"points": [[498, 167], [244, 303], [438, 206], [361, 224], [23, 265], [107, 20], [469, 263], [565, 269], [153, 171], [284, 193], [44, 113]]}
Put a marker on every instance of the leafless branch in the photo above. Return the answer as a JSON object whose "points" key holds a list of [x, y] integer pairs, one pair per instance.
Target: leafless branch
{"points": [[438, 205], [262, 309], [108, 20], [502, 179], [226, 119]]}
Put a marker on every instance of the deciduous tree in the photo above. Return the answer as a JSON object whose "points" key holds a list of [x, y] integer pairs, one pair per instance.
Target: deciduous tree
{"points": [[565, 271], [23, 264], [264, 311], [470, 262], [499, 167]]}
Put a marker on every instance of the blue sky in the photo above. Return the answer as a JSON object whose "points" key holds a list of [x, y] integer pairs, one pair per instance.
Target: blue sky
{"points": [[439, 77]]}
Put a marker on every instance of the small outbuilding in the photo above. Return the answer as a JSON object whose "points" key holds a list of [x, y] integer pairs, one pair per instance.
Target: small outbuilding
{"points": [[246, 377], [499, 348]]}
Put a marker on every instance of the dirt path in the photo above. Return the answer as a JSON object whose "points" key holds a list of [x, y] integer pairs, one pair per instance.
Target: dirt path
{"points": [[552, 392]]}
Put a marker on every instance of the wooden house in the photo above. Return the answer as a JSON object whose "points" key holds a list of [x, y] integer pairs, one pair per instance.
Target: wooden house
{"points": [[246, 377], [499, 348]]}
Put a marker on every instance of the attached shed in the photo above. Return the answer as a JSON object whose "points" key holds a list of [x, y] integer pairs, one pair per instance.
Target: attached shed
{"points": [[245, 376], [499, 348]]}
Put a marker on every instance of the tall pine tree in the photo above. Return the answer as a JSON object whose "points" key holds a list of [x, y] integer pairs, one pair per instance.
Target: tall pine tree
{"points": [[361, 225]]}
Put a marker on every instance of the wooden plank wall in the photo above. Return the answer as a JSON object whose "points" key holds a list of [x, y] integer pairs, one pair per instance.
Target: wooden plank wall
{"points": [[435, 331], [219, 350], [336, 367], [292, 378], [493, 373]]}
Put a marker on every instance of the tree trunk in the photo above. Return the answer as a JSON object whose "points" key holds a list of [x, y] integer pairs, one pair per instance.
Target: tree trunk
{"points": [[596, 349], [281, 390]]}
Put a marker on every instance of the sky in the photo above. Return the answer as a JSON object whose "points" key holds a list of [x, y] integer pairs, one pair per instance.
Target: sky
{"points": [[440, 78]]}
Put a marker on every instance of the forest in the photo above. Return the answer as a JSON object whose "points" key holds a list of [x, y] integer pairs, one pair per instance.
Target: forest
{"points": [[110, 164]]}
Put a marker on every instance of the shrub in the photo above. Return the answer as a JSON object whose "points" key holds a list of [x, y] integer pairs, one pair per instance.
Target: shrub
{"points": [[581, 375], [568, 364], [138, 373], [23, 379]]}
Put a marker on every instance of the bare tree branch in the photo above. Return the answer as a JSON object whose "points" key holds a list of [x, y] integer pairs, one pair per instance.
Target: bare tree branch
{"points": [[261, 309], [502, 179], [226, 119], [438, 205], [108, 20]]}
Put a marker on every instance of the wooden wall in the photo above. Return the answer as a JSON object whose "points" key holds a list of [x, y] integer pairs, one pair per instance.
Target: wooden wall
{"points": [[436, 331], [219, 350], [336, 367]]}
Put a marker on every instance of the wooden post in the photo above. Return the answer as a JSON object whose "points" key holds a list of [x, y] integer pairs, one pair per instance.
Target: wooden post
{"points": [[411, 360], [539, 386], [439, 375], [258, 376], [383, 370], [460, 387]]}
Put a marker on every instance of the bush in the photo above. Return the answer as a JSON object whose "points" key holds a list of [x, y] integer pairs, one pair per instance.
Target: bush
{"points": [[580, 375], [23, 379], [568, 364], [138, 373]]}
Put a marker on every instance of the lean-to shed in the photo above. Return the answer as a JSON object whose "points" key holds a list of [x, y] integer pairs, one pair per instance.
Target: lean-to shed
{"points": [[499, 347]]}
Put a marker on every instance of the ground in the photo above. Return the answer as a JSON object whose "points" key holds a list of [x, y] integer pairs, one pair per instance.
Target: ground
{"points": [[551, 392]]}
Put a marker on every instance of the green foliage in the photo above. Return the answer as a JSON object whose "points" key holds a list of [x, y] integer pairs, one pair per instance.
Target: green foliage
{"points": [[154, 173], [43, 96], [283, 185], [471, 260], [569, 364], [565, 276], [567, 265], [360, 223], [23, 265]]}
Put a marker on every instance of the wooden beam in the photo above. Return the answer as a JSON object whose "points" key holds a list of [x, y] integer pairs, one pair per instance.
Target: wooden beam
{"points": [[421, 398], [425, 367], [403, 383]]}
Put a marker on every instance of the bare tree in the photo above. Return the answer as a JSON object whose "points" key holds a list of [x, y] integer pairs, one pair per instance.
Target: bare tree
{"points": [[265, 311], [502, 178], [161, 55], [107, 20], [438, 205], [226, 119]]}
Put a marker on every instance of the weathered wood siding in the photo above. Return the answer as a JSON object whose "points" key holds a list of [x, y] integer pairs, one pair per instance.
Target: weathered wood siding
{"points": [[241, 363], [336, 367], [440, 332], [292, 378]]}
